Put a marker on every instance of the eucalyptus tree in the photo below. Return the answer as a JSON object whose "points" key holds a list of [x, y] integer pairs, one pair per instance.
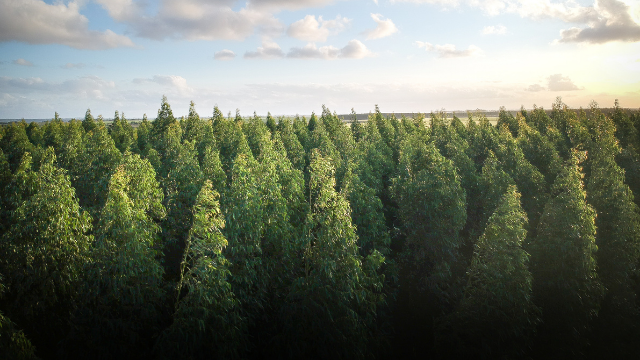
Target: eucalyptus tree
{"points": [[563, 262], [181, 186], [505, 118], [14, 344], [35, 133], [493, 184], [270, 123], [330, 310], [242, 206], [618, 229], [206, 319], [300, 128], [43, 251], [294, 149], [142, 134], [165, 129], [432, 208], [96, 163], [122, 133], [540, 152], [123, 295], [15, 143], [531, 183], [496, 317], [211, 167]]}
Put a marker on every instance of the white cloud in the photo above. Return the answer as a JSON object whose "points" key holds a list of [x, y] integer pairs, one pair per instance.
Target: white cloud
{"points": [[557, 82], [310, 51], [165, 80], [310, 29], [384, 28], [289, 4], [84, 87], [268, 50], [225, 54], [353, 50], [73, 66], [193, 19], [494, 30], [605, 20], [448, 50], [535, 88], [615, 23], [22, 62], [36, 22]]}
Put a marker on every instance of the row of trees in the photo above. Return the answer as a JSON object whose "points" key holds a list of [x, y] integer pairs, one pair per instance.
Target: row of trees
{"points": [[295, 238]]}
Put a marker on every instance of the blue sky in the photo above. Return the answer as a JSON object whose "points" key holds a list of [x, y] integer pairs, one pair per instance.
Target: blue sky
{"points": [[292, 56]]}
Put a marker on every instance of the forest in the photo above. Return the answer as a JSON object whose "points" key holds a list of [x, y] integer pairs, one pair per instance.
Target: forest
{"points": [[393, 238]]}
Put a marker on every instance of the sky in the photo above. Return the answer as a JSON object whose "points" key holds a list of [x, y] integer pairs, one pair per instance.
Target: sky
{"points": [[291, 57]]}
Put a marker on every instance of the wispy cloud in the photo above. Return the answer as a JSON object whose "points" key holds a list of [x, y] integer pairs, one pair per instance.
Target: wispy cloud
{"points": [[310, 29], [268, 50], [353, 50], [383, 28], [225, 54], [73, 66], [449, 50], [22, 62], [555, 82], [494, 30]]}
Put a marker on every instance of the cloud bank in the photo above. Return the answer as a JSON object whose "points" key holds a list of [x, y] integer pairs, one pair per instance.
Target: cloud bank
{"points": [[310, 29], [449, 50], [36, 22]]}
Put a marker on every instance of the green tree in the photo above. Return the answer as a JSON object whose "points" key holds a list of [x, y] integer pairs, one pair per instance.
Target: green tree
{"points": [[243, 209], [206, 320], [142, 133], [123, 294], [122, 133], [496, 317], [89, 122], [47, 243], [95, 165], [15, 143], [566, 285], [13, 342], [330, 309], [618, 234], [433, 211], [212, 169]]}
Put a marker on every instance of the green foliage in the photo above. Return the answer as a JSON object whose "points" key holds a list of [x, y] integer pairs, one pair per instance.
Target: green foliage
{"points": [[566, 285], [618, 224], [212, 169], [88, 123], [123, 292], [122, 134], [496, 317], [90, 174], [327, 311], [15, 143], [206, 321], [142, 133], [432, 209], [47, 244], [243, 209]]}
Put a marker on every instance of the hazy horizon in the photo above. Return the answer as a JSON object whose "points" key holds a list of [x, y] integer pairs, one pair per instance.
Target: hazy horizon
{"points": [[288, 57]]}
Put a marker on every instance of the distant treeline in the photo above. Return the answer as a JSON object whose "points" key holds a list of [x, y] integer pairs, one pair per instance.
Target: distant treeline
{"points": [[402, 237]]}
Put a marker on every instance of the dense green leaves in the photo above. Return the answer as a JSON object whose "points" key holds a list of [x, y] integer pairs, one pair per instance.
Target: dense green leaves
{"points": [[392, 238]]}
